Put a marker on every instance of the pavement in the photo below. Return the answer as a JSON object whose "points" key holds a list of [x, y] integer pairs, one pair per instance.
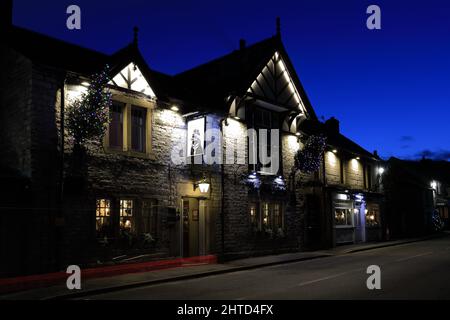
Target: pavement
{"points": [[114, 286]]}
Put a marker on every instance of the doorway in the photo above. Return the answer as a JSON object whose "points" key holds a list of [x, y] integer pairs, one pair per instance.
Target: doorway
{"points": [[360, 222], [194, 227]]}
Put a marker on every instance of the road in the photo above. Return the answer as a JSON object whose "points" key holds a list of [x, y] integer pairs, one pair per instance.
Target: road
{"points": [[417, 270]]}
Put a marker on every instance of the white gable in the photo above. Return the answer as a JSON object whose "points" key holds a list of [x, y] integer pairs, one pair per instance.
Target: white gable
{"points": [[275, 83], [131, 78]]}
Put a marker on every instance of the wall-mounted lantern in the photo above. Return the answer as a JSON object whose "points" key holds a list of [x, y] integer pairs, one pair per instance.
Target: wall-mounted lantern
{"points": [[203, 185]]}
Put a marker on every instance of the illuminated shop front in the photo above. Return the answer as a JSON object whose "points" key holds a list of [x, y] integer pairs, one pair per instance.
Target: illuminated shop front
{"points": [[356, 219]]}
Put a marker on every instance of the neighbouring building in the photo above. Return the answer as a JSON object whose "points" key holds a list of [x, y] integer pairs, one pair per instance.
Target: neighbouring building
{"points": [[346, 201], [417, 196], [133, 200]]}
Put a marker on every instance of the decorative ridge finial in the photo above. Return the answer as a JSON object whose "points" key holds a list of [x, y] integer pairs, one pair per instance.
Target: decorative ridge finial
{"points": [[135, 36], [278, 26]]}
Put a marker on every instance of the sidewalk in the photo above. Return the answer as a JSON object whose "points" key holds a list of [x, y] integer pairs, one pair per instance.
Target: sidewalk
{"points": [[131, 280]]}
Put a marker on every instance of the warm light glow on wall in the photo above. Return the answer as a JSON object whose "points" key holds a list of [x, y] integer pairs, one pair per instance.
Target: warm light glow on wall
{"points": [[74, 92], [332, 159], [292, 142], [355, 164], [204, 187], [234, 127], [171, 117]]}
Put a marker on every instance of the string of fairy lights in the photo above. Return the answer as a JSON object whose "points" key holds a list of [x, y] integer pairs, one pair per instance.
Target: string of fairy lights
{"points": [[88, 115]]}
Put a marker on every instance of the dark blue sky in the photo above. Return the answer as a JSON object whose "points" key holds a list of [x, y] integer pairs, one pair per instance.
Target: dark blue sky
{"points": [[389, 88]]}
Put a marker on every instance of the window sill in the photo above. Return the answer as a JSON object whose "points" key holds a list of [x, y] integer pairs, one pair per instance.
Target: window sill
{"points": [[130, 153], [344, 227]]}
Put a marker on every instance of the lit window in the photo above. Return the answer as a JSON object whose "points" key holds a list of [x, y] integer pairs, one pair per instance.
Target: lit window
{"points": [[277, 216], [372, 216], [103, 218], [272, 216], [126, 215], [343, 217]]}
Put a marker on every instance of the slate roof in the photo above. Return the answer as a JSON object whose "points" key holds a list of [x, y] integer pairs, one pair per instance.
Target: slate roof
{"points": [[424, 170], [66, 56], [211, 83], [335, 139], [56, 53], [206, 86]]}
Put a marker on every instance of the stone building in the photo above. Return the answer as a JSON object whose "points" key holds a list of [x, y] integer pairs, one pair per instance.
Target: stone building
{"points": [[151, 190]]}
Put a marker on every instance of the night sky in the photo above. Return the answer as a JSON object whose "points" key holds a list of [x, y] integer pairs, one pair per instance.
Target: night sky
{"points": [[389, 88]]}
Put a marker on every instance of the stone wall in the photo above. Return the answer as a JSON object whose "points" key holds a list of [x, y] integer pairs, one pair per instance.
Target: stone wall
{"points": [[15, 111], [28, 140], [332, 168], [354, 174]]}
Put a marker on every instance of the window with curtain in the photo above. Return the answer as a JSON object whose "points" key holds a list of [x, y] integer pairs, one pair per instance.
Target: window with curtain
{"points": [[138, 129], [116, 125]]}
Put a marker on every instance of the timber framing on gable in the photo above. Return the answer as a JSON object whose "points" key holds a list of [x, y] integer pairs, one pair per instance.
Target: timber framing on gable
{"points": [[274, 83], [131, 78]]}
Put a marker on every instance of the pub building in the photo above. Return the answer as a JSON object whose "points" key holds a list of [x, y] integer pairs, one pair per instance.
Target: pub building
{"points": [[132, 202]]}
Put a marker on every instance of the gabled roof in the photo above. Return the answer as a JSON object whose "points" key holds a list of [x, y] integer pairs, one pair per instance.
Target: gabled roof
{"points": [[56, 53], [211, 83]]}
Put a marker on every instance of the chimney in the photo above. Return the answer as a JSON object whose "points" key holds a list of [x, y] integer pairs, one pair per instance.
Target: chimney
{"points": [[375, 153], [242, 44], [278, 25], [6, 14], [332, 125]]}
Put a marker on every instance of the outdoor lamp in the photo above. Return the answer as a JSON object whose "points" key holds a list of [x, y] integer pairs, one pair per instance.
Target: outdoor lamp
{"points": [[203, 186]]}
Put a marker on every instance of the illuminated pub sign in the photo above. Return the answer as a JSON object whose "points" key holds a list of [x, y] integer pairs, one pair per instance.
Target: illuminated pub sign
{"points": [[196, 137]]}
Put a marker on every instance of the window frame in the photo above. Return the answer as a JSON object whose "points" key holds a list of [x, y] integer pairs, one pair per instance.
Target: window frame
{"points": [[132, 216], [150, 220], [373, 209], [257, 221], [130, 103], [120, 125], [141, 127], [350, 213], [271, 124], [108, 216]]}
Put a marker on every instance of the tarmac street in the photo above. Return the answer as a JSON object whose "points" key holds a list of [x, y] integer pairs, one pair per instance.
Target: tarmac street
{"points": [[416, 270]]}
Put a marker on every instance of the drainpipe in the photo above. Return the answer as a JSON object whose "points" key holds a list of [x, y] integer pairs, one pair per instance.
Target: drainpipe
{"points": [[222, 213], [60, 215], [62, 128]]}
